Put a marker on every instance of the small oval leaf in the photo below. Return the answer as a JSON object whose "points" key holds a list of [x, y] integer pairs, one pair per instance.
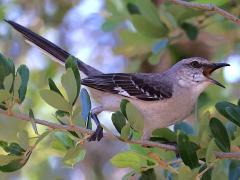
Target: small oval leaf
{"points": [[8, 82], [135, 118], [69, 83], [118, 120], [234, 114], [53, 86], [55, 100], [86, 104], [125, 132], [23, 72], [187, 151], [128, 159], [220, 134], [123, 105], [71, 62]]}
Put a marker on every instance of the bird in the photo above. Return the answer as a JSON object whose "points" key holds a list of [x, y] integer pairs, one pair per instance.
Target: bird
{"points": [[162, 98]]}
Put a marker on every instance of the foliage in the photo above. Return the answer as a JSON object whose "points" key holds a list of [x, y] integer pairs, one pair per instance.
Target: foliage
{"points": [[146, 32], [129, 124]]}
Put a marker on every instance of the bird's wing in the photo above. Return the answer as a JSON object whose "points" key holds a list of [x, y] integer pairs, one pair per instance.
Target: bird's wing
{"points": [[140, 86]]}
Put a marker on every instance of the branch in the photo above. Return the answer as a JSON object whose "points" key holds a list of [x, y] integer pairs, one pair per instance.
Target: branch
{"points": [[207, 7], [230, 155], [220, 155]]}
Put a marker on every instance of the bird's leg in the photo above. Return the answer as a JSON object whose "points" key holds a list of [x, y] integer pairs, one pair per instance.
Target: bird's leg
{"points": [[98, 133]]}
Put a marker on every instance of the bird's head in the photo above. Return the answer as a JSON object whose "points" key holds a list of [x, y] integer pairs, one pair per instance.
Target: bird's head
{"points": [[196, 71]]}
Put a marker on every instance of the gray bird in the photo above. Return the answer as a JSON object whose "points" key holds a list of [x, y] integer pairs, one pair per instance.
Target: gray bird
{"points": [[162, 98]]}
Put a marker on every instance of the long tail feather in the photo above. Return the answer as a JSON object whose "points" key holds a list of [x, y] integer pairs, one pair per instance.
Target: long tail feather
{"points": [[51, 49]]}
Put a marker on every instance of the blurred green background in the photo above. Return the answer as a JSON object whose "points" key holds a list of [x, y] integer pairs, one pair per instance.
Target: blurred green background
{"points": [[113, 36]]}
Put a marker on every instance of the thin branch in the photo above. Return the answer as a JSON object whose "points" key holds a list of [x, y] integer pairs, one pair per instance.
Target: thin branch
{"points": [[207, 7], [220, 155], [230, 155]]}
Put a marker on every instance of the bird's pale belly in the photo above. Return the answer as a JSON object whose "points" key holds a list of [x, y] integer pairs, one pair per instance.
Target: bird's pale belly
{"points": [[157, 114]]}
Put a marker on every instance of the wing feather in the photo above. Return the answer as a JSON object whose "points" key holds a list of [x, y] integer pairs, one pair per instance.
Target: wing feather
{"points": [[140, 86]]}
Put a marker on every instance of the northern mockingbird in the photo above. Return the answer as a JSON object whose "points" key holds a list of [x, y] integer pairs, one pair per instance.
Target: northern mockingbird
{"points": [[162, 98]]}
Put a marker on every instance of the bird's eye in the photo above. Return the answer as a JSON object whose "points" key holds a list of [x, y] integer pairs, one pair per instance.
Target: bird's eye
{"points": [[196, 64]]}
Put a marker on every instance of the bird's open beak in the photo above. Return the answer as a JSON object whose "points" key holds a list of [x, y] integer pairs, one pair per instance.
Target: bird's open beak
{"points": [[209, 68]]}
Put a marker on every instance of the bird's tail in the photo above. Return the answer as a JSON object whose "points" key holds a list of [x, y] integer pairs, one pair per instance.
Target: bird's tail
{"points": [[51, 49]]}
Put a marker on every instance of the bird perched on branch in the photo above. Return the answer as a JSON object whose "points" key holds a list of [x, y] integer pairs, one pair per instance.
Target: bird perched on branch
{"points": [[162, 98]]}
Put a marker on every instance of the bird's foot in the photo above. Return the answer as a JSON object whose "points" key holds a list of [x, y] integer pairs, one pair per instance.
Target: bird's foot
{"points": [[97, 135]]}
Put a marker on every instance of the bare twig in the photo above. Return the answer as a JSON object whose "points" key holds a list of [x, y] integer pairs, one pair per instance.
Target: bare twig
{"points": [[220, 155], [207, 7], [230, 155]]}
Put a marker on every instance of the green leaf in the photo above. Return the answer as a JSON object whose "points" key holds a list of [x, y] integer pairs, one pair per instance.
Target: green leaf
{"points": [[32, 118], [60, 113], [234, 114], [74, 155], [42, 136], [132, 8], [23, 71], [118, 120], [70, 85], [6, 67], [147, 28], [165, 133], [185, 173], [149, 11], [12, 148], [221, 108], [55, 100], [187, 151], [16, 164], [15, 149], [17, 84], [64, 139], [211, 149], [77, 116], [154, 58], [111, 23], [123, 106], [8, 82], [236, 141], [220, 134], [129, 159], [131, 40], [53, 86], [71, 62], [6, 159], [125, 132], [86, 104], [208, 174], [4, 95], [190, 30], [134, 117]]}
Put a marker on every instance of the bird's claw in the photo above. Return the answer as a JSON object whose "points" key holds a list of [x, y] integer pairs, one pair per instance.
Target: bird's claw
{"points": [[97, 135]]}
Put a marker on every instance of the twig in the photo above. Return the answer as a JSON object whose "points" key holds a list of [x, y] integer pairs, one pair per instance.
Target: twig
{"points": [[229, 155], [220, 155], [207, 7]]}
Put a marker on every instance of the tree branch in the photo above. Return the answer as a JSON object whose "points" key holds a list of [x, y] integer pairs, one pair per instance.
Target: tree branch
{"points": [[220, 155], [230, 155], [207, 7]]}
